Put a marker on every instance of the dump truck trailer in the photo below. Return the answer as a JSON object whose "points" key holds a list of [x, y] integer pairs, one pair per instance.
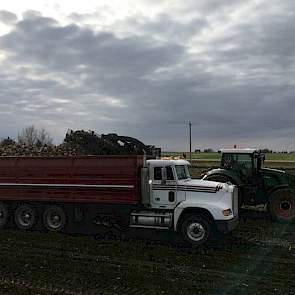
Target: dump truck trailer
{"points": [[114, 191]]}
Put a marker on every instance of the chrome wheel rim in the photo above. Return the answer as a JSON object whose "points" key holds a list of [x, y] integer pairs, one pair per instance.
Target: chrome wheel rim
{"points": [[196, 231]]}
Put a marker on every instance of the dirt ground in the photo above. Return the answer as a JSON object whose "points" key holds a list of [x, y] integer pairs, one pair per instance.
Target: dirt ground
{"points": [[257, 258]]}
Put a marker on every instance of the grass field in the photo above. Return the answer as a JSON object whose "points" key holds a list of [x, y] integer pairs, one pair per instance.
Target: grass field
{"points": [[202, 162], [216, 156]]}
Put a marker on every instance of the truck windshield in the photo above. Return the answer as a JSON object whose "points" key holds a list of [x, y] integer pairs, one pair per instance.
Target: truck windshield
{"points": [[182, 172]]}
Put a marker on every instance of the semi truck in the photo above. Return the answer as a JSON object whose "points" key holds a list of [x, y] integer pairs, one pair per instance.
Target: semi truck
{"points": [[126, 192]]}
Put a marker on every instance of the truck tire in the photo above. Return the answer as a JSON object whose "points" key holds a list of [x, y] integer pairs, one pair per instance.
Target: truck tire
{"points": [[195, 229], [54, 218], [281, 205], [3, 215], [25, 217]]}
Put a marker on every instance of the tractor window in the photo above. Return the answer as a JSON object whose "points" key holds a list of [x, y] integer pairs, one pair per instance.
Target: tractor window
{"points": [[236, 161], [244, 160], [227, 161]]}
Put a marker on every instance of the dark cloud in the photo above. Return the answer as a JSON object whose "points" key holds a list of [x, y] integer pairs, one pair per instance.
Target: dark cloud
{"points": [[7, 17], [31, 14], [42, 41], [233, 78]]}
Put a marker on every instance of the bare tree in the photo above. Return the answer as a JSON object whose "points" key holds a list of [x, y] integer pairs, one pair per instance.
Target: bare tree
{"points": [[32, 136], [44, 138]]}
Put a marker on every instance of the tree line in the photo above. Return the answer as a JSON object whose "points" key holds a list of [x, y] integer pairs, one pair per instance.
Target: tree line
{"points": [[38, 142], [30, 136]]}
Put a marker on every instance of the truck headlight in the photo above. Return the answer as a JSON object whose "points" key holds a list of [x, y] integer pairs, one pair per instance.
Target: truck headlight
{"points": [[227, 212]]}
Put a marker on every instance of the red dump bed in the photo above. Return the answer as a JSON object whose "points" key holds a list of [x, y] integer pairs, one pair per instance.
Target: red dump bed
{"points": [[87, 179]]}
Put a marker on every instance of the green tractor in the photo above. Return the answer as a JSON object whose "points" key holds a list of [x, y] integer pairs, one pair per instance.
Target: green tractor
{"points": [[257, 185]]}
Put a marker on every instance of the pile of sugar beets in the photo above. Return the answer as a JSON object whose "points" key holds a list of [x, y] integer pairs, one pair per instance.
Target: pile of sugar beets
{"points": [[81, 142]]}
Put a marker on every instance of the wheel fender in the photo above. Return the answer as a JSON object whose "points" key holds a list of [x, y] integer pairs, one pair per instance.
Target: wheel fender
{"points": [[222, 172], [277, 188], [213, 210]]}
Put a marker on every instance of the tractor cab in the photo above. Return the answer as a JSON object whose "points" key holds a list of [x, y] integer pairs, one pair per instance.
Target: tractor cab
{"points": [[245, 162], [242, 167]]}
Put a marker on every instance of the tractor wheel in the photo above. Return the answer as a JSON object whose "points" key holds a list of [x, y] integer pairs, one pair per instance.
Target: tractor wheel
{"points": [[195, 229], [281, 205]]}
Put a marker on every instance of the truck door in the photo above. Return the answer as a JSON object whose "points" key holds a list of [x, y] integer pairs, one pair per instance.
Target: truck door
{"points": [[164, 193]]}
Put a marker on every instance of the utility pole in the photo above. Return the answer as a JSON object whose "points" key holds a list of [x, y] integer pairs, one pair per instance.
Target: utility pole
{"points": [[190, 141]]}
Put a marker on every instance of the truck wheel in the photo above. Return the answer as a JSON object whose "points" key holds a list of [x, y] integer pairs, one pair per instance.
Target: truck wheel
{"points": [[195, 229], [25, 217], [3, 214], [281, 205], [54, 218]]}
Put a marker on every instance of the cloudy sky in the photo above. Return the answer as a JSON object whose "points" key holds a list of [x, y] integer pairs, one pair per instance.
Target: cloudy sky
{"points": [[144, 68]]}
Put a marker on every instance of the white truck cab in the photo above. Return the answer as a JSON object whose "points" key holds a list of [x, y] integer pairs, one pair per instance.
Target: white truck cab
{"points": [[193, 207]]}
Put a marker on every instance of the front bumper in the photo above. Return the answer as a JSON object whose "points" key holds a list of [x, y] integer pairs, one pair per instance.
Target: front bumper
{"points": [[226, 226]]}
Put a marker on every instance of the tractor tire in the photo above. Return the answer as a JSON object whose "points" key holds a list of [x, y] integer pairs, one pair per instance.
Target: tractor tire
{"points": [[281, 205], [196, 229]]}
